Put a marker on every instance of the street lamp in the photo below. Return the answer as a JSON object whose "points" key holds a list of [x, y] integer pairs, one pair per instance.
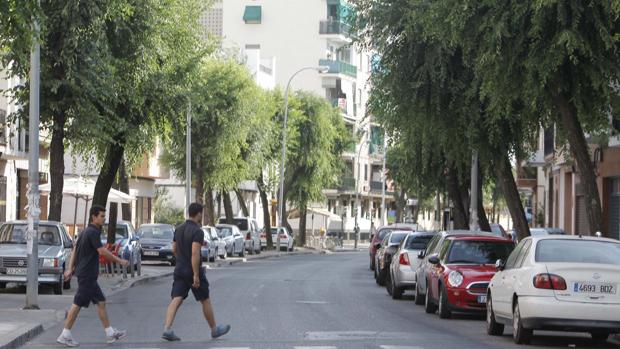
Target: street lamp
{"points": [[321, 70], [357, 192]]}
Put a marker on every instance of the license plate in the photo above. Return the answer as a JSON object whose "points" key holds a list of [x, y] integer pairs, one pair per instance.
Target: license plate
{"points": [[151, 253], [16, 271], [594, 288], [482, 299]]}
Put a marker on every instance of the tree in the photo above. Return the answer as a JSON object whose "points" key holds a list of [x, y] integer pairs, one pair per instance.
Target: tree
{"points": [[75, 80], [559, 56], [316, 139]]}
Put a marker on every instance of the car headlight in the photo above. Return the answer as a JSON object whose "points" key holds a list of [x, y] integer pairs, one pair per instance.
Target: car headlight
{"points": [[50, 263], [455, 279]]}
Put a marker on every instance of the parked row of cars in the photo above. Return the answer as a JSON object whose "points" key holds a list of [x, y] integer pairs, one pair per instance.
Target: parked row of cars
{"points": [[548, 281]]}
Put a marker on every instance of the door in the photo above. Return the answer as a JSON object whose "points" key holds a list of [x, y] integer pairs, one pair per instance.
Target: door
{"points": [[503, 285], [421, 271]]}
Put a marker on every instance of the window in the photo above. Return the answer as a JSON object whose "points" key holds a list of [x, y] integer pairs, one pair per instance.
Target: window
{"points": [[365, 172], [523, 254], [417, 242], [478, 252], [510, 262], [2, 126], [445, 245], [396, 238], [431, 244], [252, 15], [157, 232], [578, 251], [16, 234]]}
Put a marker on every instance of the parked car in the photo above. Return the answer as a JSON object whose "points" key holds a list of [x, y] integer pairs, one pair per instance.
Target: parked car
{"points": [[156, 241], [402, 270], [217, 246], [55, 246], [249, 229], [498, 230], [286, 239], [560, 283], [127, 242], [388, 248], [461, 273], [232, 238], [425, 268], [546, 231], [377, 237]]}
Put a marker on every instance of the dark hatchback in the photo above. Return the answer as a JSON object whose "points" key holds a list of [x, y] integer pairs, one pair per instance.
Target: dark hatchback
{"points": [[377, 238], [156, 240]]}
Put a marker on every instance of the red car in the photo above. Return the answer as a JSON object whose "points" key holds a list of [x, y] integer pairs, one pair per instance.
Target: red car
{"points": [[461, 272], [377, 238]]}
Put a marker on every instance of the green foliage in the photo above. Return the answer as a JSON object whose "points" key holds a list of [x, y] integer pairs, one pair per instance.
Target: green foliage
{"points": [[163, 211]]}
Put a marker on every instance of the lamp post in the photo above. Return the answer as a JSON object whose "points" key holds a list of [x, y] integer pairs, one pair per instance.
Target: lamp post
{"points": [[282, 163], [357, 192], [383, 177], [188, 160]]}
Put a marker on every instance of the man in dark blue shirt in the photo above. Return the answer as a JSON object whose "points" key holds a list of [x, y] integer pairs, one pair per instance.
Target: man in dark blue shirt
{"points": [[85, 265], [189, 274]]}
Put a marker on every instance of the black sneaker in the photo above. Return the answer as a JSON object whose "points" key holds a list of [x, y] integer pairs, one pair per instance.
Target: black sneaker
{"points": [[170, 336], [219, 331]]}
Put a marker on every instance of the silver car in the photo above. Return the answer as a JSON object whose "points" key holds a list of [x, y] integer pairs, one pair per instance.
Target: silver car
{"points": [[217, 246], [405, 262], [55, 247], [232, 237]]}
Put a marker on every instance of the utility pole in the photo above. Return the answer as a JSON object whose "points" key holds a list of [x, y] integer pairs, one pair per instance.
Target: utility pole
{"points": [[473, 206], [32, 239], [188, 160], [383, 177]]}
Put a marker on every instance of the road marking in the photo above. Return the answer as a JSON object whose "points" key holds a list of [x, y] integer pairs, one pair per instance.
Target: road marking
{"points": [[355, 335], [311, 302], [315, 348], [399, 347]]}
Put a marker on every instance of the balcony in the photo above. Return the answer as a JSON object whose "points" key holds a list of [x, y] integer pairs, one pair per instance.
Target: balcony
{"points": [[347, 184], [334, 27], [339, 67]]}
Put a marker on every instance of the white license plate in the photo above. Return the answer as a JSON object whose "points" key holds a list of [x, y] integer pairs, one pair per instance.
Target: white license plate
{"points": [[151, 253], [16, 271], [482, 299], [594, 288]]}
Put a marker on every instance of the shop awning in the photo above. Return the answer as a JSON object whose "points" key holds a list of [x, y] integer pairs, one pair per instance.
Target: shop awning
{"points": [[252, 14]]}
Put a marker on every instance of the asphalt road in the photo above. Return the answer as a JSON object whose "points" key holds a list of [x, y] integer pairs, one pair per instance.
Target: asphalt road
{"points": [[303, 302]]}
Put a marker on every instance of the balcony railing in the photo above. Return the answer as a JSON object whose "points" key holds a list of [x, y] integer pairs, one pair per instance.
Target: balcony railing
{"points": [[334, 27], [347, 183], [376, 186], [339, 67]]}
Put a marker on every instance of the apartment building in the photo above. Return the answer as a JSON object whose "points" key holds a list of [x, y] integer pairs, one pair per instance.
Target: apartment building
{"points": [[320, 39]]}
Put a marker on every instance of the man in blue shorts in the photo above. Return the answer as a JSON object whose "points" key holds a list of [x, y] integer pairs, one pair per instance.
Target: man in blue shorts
{"points": [[189, 274], [85, 263]]}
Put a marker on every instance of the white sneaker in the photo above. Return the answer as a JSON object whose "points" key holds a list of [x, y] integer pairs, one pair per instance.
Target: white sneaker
{"points": [[118, 334], [68, 341]]}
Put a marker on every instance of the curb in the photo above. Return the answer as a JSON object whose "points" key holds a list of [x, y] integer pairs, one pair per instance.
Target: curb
{"points": [[224, 263], [126, 284], [24, 337]]}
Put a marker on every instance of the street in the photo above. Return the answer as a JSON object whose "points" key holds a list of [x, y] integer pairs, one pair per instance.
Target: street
{"points": [[309, 301]]}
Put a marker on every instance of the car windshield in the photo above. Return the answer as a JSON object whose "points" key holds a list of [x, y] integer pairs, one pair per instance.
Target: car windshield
{"points": [[539, 232], [396, 238], [417, 242], [478, 252], [157, 232], [578, 251], [382, 233], [224, 231], [16, 234], [241, 223], [273, 230], [121, 232]]}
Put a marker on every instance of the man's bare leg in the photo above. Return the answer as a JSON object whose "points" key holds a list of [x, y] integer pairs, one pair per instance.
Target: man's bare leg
{"points": [[103, 314], [66, 337], [207, 310], [174, 305], [72, 316]]}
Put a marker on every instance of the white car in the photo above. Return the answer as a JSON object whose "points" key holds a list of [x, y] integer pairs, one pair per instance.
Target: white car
{"points": [[233, 239], [217, 246], [402, 274], [249, 229], [286, 240], [555, 282]]}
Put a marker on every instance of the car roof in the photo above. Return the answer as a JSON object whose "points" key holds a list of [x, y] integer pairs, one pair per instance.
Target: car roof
{"points": [[40, 222], [423, 233], [571, 237], [466, 232], [155, 225], [226, 226], [479, 238]]}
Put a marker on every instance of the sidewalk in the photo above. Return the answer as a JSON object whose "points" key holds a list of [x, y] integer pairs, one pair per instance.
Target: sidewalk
{"points": [[17, 326]]}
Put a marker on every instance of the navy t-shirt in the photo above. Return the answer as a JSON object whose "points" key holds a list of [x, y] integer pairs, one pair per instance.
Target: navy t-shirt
{"points": [[86, 255], [184, 235]]}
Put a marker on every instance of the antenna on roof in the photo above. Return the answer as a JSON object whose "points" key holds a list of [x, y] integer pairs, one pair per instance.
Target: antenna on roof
{"points": [[598, 234]]}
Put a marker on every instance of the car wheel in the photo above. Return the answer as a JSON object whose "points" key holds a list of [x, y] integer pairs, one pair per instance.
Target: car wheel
{"points": [[599, 337], [2, 284], [173, 262], [291, 249], [58, 286], [444, 305], [520, 335], [389, 284], [419, 297], [397, 292], [138, 266], [260, 249], [376, 276], [252, 249], [429, 307], [242, 253], [494, 328], [372, 264], [382, 276]]}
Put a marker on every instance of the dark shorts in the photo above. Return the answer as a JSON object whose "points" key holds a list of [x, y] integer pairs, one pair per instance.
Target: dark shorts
{"points": [[182, 284], [88, 291]]}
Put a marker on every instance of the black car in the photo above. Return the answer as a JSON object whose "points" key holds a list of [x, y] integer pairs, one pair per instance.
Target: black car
{"points": [[386, 251], [156, 240]]}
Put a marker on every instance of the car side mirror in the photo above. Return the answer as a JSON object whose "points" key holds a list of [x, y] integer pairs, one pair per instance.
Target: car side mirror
{"points": [[421, 254], [433, 260], [500, 264], [69, 244]]}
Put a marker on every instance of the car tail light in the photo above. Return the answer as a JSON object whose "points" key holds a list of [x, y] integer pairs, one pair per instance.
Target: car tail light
{"points": [[262, 235], [283, 236], [549, 282], [403, 259], [248, 236]]}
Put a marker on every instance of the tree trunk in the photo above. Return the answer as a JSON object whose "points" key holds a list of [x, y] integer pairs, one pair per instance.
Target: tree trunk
{"points": [[200, 184], [400, 206], [581, 152], [57, 168], [303, 210], [112, 218], [107, 174], [507, 184], [209, 217], [244, 207], [285, 217], [228, 207], [459, 212], [265, 203], [483, 221], [219, 205], [124, 187]]}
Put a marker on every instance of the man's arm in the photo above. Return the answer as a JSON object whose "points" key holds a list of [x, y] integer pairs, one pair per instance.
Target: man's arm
{"points": [[71, 268], [110, 257], [174, 248], [196, 263]]}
